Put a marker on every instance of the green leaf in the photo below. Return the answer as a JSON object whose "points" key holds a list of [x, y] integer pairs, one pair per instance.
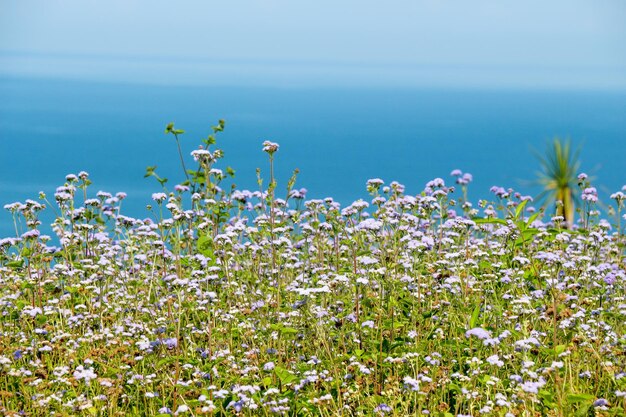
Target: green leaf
{"points": [[580, 398], [474, 319], [485, 265], [166, 361], [282, 329], [479, 220], [284, 375], [149, 171], [548, 398], [288, 330], [520, 208], [205, 246], [532, 218], [527, 236], [583, 411], [393, 324], [454, 388], [547, 395], [559, 349], [15, 264]]}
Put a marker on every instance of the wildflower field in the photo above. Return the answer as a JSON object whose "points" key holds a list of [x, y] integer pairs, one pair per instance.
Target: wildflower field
{"points": [[260, 303]]}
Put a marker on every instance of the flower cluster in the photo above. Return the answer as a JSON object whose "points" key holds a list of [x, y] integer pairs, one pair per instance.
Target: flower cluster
{"points": [[227, 303]]}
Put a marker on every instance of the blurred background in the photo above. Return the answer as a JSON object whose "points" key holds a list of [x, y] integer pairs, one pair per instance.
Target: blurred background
{"points": [[351, 90]]}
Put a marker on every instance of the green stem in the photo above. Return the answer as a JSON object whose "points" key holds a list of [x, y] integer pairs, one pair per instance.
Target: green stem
{"points": [[182, 160]]}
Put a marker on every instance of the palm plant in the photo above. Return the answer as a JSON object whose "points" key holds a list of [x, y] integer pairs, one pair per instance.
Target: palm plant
{"points": [[558, 177]]}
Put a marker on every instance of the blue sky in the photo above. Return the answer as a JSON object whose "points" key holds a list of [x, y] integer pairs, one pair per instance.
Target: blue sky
{"points": [[527, 44]]}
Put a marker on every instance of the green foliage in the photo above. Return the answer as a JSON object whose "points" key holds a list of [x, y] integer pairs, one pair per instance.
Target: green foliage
{"points": [[151, 172]]}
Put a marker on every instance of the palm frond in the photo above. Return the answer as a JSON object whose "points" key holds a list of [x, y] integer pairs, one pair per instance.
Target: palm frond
{"points": [[559, 165]]}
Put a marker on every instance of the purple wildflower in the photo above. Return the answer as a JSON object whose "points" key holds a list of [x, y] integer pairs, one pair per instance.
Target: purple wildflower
{"points": [[159, 197], [600, 402], [31, 234], [270, 147], [479, 332], [170, 343], [411, 383], [590, 194]]}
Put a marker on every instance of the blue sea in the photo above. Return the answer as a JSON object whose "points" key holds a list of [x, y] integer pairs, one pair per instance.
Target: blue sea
{"points": [[337, 137]]}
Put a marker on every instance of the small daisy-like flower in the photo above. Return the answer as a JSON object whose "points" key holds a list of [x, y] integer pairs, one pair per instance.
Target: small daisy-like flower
{"points": [[495, 360], [270, 147], [600, 402], [170, 343], [85, 374], [159, 197], [619, 196], [368, 323], [411, 383], [31, 234], [532, 386], [590, 194], [479, 333], [202, 155]]}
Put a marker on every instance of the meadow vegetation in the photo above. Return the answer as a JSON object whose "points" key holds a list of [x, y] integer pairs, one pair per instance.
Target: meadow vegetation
{"points": [[260, 303]]}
